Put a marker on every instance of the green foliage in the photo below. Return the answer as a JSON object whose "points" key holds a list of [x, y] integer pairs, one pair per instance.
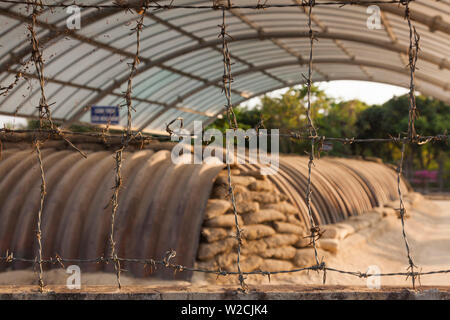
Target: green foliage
{"points": [[354, 119]]}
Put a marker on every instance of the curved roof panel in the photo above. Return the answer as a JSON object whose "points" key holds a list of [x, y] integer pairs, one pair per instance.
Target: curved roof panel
{"points": [[181, 65]]}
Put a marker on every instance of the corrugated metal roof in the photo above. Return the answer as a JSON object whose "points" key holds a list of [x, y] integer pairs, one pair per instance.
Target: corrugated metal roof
{"points": [[181, 61]]}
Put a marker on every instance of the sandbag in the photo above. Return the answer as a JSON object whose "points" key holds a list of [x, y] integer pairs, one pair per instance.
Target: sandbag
{"points": [[285, 227], [283, 253], [272, 265], [215, 234], [216, 207], [264, 215], [306, 257], [330, 245], [207, 251], [253, 247], [257, 231], [281, 240], [225, 221], [261, 185], [247, 207], [235, 180], [283, 207]]}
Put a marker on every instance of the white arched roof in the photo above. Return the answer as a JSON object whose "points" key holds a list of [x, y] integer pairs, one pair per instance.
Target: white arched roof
{"points": [[181, 65]]}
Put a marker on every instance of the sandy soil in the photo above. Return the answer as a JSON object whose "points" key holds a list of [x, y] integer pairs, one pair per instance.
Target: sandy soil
{"points": [[428, 232]]}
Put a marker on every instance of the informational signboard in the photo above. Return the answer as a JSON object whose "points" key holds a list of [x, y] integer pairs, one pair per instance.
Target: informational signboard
{"points": [[105, 114], [327, 146]]}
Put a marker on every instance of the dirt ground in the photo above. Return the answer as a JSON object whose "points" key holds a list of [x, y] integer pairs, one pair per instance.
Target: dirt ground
{"points": [[428, 232]]}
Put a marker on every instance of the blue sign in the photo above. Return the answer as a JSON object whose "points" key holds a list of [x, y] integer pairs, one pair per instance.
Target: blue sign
{"points": [[105, 115]]}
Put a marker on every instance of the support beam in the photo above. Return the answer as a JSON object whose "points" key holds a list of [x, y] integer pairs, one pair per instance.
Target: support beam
{"points": [[435, 23], [84, 87], [324, 28], [275, 41], [386, 45], [319, 61], [200, 40], [94, 43], [391, 34]]}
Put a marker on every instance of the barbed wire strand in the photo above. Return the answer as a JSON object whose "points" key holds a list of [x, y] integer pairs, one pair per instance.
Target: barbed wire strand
{"points": [[58, 260], [413, 53], [48, 130], [119, 5], [128, 135], [39, 217], [44, 116], [227, 79], [314, 229], [402, 211], [413, 56], [29, 135]]}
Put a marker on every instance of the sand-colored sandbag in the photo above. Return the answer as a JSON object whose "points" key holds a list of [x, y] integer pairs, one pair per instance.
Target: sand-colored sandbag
{"points": [[220, 191], [207, 251], [395, 204], [257, 231], [364, 221], [358, 222], [285, 227], [253, 247], [216, 207], [389, 212], [337, 231], [283, 253], [415, 198], [248, 264], [294, 220], [303, 242], [207, 265], [235, 180], [215, 234], [281, 240], [284, 207], [265, 197], [330, 245], [225, 221], [373, 217], [247, 206], [379, 209], [255, 174], [261, 185], [273, 265], [225, 259], [264, 215], [234, 172], [242, 194], [306, 257]]}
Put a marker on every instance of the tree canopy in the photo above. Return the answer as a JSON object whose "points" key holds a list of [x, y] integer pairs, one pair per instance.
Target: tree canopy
{"points": [[354, 118]]}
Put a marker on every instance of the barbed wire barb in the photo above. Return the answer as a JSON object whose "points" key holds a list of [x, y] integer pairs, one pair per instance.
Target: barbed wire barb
{"points": [[227, 79]]}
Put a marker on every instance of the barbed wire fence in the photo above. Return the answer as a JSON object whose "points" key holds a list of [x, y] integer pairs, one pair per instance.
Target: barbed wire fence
{"points": [[49, 130]]}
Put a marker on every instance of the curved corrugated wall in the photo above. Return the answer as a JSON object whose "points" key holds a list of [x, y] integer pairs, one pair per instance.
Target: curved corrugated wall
{"points": [[340, 187], [161, 204]]}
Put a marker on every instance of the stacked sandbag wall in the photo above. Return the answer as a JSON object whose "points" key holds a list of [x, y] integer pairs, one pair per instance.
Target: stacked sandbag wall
{"points": [[272, 231]]}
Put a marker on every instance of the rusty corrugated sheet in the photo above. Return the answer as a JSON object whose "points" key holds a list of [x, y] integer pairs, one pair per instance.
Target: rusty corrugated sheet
{"points": [[161, 204]]}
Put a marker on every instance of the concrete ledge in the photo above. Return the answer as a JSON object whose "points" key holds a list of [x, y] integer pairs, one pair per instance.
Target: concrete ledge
{"points": [[260, 292]]}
